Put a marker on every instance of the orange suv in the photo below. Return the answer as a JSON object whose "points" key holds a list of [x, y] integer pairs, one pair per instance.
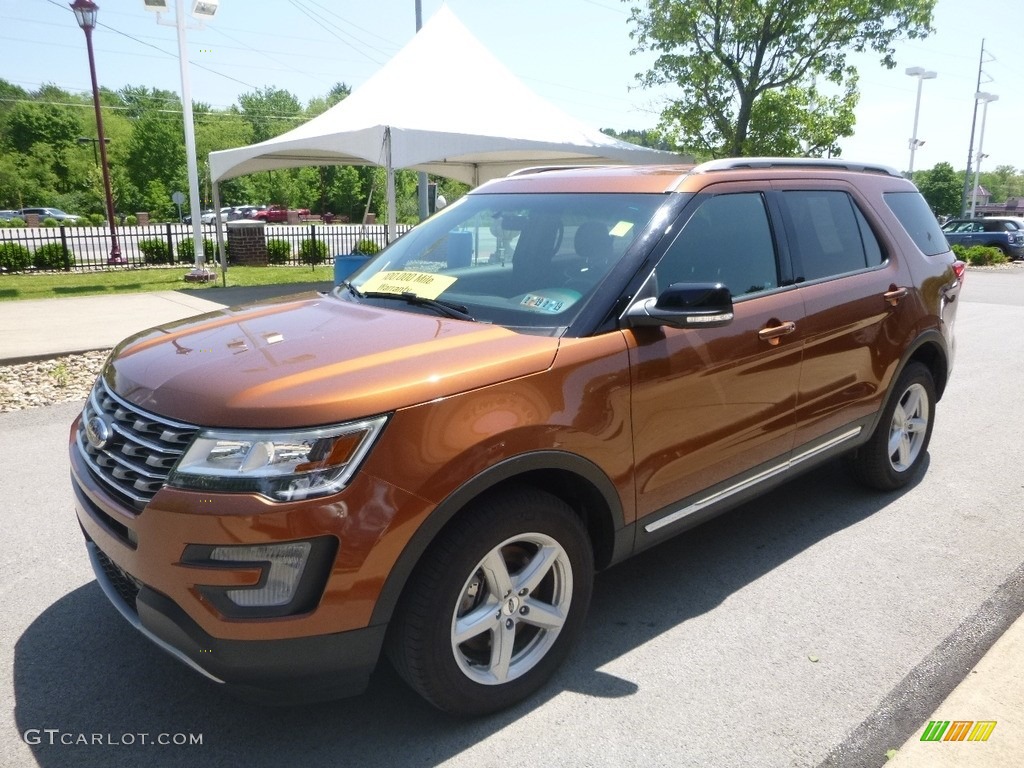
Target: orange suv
{"points": [[556, 372]]}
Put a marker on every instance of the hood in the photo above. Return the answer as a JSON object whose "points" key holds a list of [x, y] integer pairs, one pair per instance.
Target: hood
{"points": [[311, 360]]}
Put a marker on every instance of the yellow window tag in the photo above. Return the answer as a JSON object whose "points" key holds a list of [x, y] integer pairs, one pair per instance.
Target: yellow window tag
{"points": [[620, 229], [423, 284]]}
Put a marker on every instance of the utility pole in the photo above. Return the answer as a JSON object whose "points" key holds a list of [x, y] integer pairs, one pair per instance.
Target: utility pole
{"points": [[974, 122]]}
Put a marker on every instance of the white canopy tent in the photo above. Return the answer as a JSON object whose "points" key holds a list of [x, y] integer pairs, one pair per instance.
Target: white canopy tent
{"points": [[473, 123]]}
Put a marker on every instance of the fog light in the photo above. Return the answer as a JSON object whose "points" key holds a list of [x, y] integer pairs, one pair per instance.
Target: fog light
{"points": [[282, 566]]}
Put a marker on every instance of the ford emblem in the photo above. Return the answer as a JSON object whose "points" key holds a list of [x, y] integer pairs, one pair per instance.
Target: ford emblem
{"points": [[97, 432]]}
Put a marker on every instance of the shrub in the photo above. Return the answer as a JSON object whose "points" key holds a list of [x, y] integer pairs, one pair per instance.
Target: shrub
{"points": [[312, 251], [131, 220], [14, 257], [4, 223], [980, 255], [49, 221], [279, 251], [187, 250], [97, 219], [366, 247], [51, 256], [155, 251], [17, 221]]}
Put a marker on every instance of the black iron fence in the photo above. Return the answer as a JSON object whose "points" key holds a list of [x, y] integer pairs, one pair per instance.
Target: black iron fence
{"points": [[83, 249]]}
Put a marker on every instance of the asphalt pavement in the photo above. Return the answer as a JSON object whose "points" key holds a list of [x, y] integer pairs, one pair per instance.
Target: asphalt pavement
{"points": [[973, 674]]}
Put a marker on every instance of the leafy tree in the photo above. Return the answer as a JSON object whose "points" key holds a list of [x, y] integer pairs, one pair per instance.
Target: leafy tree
{"points": [[749, 70], [941, 187], [650, 138], [270, 111]]}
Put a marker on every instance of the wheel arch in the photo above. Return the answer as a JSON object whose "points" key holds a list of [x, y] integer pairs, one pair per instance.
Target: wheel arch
{"points": [[573, 479], [930, 350]]}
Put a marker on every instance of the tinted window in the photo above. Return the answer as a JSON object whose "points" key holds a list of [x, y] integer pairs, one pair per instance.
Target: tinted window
{"points": [[727, 240], [832, 236], [916, 217]]}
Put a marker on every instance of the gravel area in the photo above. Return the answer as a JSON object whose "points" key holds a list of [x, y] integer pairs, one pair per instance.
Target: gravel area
{"points": [[46, 382]]}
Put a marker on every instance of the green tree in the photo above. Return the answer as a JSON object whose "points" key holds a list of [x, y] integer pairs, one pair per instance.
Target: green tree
{"points": [[941, 187], [749, 71], [270, 111]]}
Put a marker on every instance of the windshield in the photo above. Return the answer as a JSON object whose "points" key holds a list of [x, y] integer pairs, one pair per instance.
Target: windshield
{"points": [[527, 261]]}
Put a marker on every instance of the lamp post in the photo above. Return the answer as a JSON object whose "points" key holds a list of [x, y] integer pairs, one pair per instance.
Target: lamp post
{"points": [[921, 74], [424, 204], [203, 9], [984, 98], [85, 13]]}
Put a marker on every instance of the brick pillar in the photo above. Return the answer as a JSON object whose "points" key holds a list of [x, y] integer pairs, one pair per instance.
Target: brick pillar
{"points": [[293, 217], [142, 218], [32, 220], [247, 242]]}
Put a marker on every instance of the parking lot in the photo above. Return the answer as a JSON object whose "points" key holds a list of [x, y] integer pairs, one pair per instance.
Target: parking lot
{"points": [[818, 625]]}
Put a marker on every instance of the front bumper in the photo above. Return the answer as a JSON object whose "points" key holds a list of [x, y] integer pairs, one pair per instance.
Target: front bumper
{"points": [[273, 671], [327, 652]]}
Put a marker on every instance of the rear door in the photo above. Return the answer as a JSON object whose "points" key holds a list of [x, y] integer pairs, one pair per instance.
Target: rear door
{"points": [[860, 304], [711, 404]]}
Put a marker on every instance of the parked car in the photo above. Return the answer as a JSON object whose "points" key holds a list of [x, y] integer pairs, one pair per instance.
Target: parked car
{"points": [[51, 213], [210, 217], [1005, 233], [555, 373], [279, 214], [8, 215], [203, 215]]}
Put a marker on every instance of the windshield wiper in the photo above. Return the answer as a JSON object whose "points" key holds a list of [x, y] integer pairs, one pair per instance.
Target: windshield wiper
{"points": [[448, 309]]}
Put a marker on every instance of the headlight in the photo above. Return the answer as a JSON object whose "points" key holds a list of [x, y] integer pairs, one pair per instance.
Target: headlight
{"points": [[284, 466]]}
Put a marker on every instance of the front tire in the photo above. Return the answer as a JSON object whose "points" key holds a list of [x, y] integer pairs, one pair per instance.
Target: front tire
{"points": [[496, 603], [894, 455]]}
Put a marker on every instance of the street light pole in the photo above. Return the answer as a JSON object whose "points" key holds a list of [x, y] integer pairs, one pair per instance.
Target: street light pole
{"points": [[984, 98], [206, 9], [85, 13], [424, 205], [921, 74]]}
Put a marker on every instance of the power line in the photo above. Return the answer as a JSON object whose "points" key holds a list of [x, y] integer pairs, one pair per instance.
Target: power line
{"points": [[327, 25]]}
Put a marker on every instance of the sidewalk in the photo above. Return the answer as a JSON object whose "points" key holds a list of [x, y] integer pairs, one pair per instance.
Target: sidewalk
{"points": [[992, 691], [42, 328]]}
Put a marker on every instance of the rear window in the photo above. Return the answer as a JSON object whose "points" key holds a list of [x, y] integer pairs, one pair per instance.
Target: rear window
{"points": [[919, 221]]}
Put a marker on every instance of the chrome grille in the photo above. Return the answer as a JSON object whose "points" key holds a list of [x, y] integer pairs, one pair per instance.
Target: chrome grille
{"points": [[138, 456]]}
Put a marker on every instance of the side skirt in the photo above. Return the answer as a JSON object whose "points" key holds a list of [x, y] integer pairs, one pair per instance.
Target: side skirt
{"points": [[711, 502]]}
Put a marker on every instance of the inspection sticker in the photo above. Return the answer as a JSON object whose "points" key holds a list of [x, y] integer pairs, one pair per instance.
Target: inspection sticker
{"points": [[422, 284], [542, 303]]}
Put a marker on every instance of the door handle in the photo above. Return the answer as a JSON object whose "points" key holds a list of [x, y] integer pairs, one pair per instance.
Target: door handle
{"points": [[775, 333], [894, 295]]}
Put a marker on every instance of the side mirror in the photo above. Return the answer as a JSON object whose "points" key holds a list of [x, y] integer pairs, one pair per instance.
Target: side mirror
{"points": [[684, 305]]}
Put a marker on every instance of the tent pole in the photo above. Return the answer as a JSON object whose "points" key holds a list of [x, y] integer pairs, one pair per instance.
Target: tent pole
{"points": [[392, 213], [220, 236]]}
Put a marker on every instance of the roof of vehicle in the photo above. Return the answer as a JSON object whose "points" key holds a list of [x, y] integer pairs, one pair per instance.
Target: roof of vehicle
{"points": [[667, 178]]}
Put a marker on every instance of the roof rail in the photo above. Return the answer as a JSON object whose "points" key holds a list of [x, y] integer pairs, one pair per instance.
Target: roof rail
{"points": [[730, 163], [546, 168]]}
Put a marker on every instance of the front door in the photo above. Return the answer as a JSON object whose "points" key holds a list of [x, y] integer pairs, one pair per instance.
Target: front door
{"points": [[711, 404]]}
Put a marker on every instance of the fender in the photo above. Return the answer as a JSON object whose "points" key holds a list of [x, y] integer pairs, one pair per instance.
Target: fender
{"points": [[620, 544], [937, 361]]}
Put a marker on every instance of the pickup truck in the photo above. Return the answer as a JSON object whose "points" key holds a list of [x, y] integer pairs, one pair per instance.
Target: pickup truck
{"points": [[279, 214], [1004, 233]]}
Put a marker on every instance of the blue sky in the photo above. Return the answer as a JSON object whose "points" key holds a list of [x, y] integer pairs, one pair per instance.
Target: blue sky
{"points": [[575, 53]]}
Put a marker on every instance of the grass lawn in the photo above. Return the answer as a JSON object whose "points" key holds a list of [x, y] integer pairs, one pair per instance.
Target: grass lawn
{"points": [[51, 285]]}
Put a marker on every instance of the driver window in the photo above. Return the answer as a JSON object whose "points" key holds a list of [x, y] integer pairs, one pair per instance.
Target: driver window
{"points": [[727, 240]]}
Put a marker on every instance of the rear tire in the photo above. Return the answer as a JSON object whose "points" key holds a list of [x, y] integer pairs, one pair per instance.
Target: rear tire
{"points": [[894, 455], [495, 604]]}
